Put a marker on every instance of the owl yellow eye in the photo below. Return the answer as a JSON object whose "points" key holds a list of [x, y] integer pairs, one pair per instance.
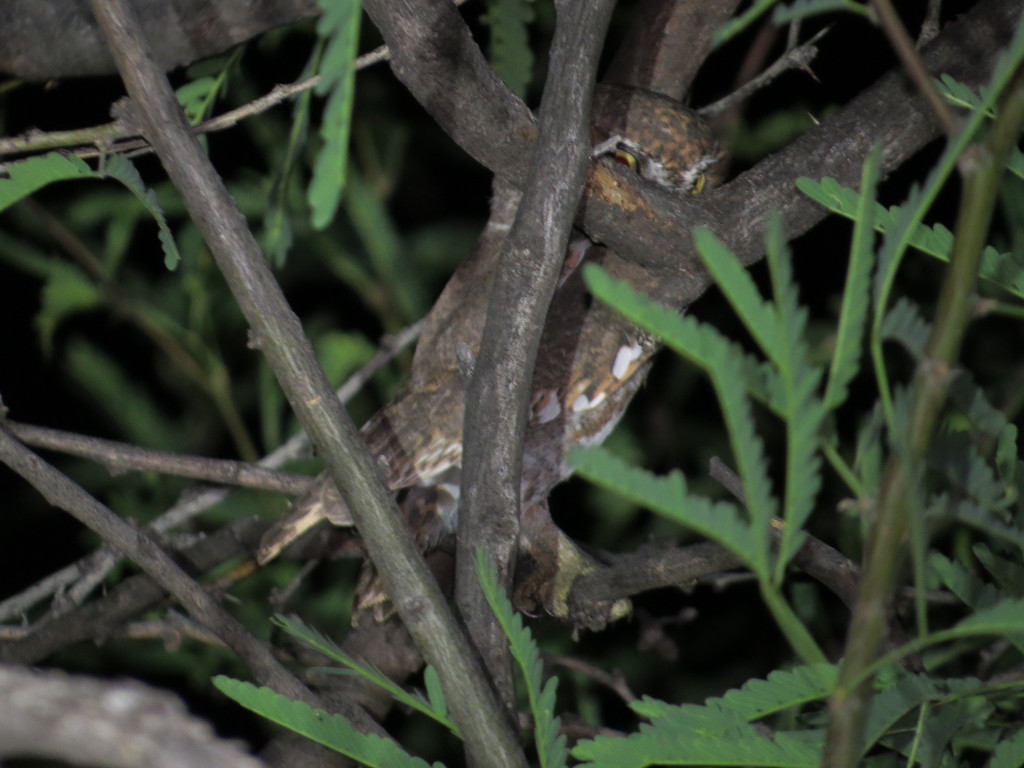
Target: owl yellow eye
{"points": [[698, 184], [625, 158]]}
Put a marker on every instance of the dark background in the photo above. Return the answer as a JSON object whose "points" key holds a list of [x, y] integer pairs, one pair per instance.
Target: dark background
{"points": [[682, 647]]}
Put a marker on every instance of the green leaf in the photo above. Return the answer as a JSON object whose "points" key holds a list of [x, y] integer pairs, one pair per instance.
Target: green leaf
{"points": [[961, 95], [737, 285], [1002, 269], [975, 405], [379, 237], [511, 55], [888, 706], [804, 412], [730, 374], [67, 290], [1009, 753], [719, 521], [970, 513], [329, 648], [905, 324], [869, 452], [781, 690], [277, 235], [1003, 619], [120, 167], [735, 26], [342, 353], [339, 25], [333, 731], [856, 296], [967, 587], [712, 734], [435, 694], [131, 408], [1008, 573], [550, 743], [196, 97], [34, 173]]}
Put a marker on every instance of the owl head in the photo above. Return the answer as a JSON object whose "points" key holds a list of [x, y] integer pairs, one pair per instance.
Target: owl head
{"points": [[656, 137]]}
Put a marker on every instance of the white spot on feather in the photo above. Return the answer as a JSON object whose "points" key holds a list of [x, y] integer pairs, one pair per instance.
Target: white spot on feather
{"points": [[624, 358], [581, 403], [549, 407]]}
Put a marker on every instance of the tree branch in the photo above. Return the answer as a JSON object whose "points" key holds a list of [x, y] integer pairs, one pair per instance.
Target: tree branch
{"points": [[120, 457], [137, 545], [650, 228], [667, 44], [489, 741], [497, 400], [434, 55]]}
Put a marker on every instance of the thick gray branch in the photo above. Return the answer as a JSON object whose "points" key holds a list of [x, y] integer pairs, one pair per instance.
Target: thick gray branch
{"points": [[279, 335], [436, 58], [498, 397]]}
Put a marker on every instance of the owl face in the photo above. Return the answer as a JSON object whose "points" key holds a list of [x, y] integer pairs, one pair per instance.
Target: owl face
{"points": [[657, 138]]}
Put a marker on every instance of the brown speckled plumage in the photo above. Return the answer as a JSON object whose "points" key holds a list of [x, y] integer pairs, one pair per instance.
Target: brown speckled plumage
{"points": [[591, 360]]}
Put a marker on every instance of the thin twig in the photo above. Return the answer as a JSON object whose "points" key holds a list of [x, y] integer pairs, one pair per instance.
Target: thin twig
{"points": [[93, 568], [930, 25], [130, 597], [799, 57], [280, 597], [616, 681], [119, 137], [120, 457], [904, 47], [137, 545]]}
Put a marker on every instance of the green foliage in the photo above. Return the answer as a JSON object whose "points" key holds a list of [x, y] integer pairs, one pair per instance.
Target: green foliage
{"points": [[908, 711], [34, 173], [721, 732], [336, 732], [718, 521], [1004, 270], [1010, 752], [333, 731], [921, 718], [431, 705], [784, 14], [511, 55], [856, 298], [735, 26], [540, 695], [339, 26], [805, 432], [277, 235], [778, 329]]}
